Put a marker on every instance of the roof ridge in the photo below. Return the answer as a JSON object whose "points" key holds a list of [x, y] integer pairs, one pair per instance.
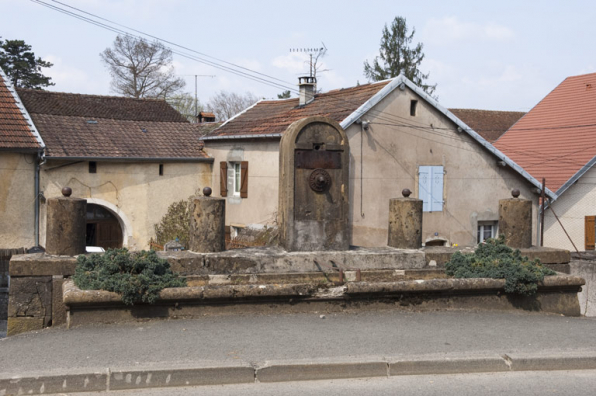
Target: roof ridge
{"points": [[500, 111], [43, 91]]}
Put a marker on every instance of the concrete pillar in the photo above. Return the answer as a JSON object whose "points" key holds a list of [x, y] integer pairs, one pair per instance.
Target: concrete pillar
{"points": [[405, 222], [66, 225], [207, 224], [515, 221]]}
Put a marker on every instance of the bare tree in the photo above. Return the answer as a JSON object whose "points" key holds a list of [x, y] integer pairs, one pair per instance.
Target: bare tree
{"points": [[227, 104], [184, 103], [141, 69]]}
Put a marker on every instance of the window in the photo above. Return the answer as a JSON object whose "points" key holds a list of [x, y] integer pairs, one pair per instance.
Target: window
{"points": [[413, 105], [486, 229], [236, 179], [161, 169], [92, 167], [233, 176], [430, 188]]}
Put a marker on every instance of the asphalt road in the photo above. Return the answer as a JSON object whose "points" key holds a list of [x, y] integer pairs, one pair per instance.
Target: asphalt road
{"points": [[541, 383], [259, 338]]}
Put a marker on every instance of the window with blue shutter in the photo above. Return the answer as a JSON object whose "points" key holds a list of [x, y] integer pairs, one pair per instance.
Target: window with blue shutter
{"points": [[430, 188]]}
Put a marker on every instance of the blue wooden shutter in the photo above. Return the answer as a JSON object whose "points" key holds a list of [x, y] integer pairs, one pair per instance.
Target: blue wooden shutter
{"points": [[436, 189], [424, 187]]}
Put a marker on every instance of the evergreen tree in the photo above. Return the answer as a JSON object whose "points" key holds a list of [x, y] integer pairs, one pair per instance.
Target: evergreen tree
{"points": [[397, 56], [21, 66], [284, 95]]}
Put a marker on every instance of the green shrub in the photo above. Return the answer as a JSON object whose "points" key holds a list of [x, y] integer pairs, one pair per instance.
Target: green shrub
{"points": [[494, 259], [138, 277]]}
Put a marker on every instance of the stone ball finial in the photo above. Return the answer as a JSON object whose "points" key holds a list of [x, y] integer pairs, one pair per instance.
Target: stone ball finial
{"points": [[207, 191], [406, 192], [66, 191], [515, 193]]}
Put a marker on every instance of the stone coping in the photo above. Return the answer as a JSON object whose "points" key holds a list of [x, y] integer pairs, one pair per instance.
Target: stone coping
{"points": [[73, 296]]}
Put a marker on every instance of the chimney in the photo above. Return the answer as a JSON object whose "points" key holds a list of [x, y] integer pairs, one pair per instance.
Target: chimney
{"points": [[308, 87]]}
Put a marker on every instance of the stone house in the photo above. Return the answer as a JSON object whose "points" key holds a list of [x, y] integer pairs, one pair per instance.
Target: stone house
{"points": [[21, 147], [130, 158], [399, 138], [556, 141]]}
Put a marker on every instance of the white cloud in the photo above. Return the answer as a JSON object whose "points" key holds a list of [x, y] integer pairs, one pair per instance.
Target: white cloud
{"points": [[72, 79], [293, 62], [449, 29]]}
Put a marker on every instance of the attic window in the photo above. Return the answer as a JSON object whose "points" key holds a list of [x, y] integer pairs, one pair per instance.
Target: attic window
{"points": [[161, 169], [91, 122], [413, 105], [92, 167]]}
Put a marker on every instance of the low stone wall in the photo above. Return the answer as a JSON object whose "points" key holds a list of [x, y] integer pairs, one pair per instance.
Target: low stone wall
{"points": [[586, 268], [556, 294]]}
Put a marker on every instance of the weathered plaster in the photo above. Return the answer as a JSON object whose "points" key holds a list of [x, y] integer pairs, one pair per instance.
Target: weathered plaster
{"points": [[17, 200]]}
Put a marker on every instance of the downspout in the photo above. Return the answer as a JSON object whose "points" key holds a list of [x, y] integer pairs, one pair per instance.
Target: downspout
{"points": [[41, 159]]}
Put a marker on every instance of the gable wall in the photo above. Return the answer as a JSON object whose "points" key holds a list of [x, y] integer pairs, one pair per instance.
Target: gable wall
{"points": [[134, 189], [17, 196], [473, 183], [572, 207]]}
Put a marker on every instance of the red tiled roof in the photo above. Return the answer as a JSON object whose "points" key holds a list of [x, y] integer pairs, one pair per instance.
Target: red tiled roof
{"points": [[489, 124], [274, 116], [88, 126], [14, 129], [558, 136]]}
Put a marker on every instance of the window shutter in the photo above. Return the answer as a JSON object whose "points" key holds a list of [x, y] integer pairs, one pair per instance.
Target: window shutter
{"points": [[424, 185], [223, 178], [244, 179], [437, 189], [590, 232]]}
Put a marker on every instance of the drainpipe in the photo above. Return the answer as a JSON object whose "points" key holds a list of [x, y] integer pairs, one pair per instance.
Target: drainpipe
{"points": [[41, 159]]}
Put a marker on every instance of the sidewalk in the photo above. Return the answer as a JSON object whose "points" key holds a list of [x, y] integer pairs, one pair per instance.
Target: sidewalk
{"points": [[300, 346]]}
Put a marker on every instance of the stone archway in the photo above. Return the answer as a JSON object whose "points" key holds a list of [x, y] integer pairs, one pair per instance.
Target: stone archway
{"points": [[125, 226]]}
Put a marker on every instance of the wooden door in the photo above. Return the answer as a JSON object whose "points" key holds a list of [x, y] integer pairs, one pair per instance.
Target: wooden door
{"points": [[109, 234], [590, 232]]}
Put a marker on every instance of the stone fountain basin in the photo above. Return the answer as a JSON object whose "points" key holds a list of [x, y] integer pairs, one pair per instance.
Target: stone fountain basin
{"points": [[556, 294]]}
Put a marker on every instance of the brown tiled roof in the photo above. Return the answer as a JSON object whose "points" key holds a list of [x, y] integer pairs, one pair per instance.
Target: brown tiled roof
{"points": [[558, 136], [274, 116], [83, 126], [488, 123], [14, 129], [114, 107], [207, 114], [204, 128]]}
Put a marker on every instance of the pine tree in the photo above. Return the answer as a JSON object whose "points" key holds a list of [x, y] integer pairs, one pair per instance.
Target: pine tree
{"points": [[21, 66], [397, 56]]}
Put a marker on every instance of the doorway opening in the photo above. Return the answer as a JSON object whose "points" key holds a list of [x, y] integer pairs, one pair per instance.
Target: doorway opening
{"points": [[103, 228]]}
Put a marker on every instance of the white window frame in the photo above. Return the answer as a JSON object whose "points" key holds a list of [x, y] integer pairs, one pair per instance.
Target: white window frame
{"points": [[235, 178], [482, 225], [431, 183]]}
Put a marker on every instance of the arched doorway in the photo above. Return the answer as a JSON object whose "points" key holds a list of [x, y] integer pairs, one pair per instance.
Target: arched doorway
{"points": [[103, 228]]}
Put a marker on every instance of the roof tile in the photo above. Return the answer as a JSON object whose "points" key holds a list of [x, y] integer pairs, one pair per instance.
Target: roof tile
{"points": [[15, 132]]}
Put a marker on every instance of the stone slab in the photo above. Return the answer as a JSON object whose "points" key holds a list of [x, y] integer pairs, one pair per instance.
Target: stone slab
{"points": [[58, 306], [540, 362], [280, 372], [23, 325], [31, 297], [48, 383], [40, 264], [158, 378], [442, 254], [447, 365], [587, 297]]}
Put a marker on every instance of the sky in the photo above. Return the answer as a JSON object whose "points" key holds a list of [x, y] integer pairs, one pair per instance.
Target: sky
{"points": [[504, 55]]}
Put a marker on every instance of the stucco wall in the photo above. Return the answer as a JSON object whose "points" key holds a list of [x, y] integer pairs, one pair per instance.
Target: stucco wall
{"points": [[572, 207], [134, 191], [392, 150], [260, 207], [17, 196], [391, 154]]}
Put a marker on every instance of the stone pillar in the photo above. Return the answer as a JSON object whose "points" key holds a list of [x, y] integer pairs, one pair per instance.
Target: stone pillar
{"points": [[405, 222], [66, 225], [207, 223], [515, 221]]}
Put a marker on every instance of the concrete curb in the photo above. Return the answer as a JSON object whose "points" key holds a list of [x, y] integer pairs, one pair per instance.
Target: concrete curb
{"points": [[283, 371]]}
